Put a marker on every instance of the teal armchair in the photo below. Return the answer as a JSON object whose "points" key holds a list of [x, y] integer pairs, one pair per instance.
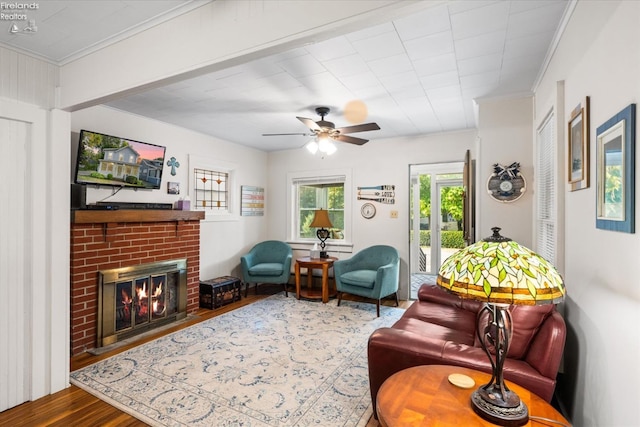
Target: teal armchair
{"points": [[267, 262], [373, 273]]}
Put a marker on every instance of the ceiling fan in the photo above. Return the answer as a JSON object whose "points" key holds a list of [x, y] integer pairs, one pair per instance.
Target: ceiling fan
{"points": [[324, 129]]}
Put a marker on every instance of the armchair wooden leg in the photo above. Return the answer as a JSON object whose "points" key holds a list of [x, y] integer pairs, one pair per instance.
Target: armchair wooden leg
{"points": [[339, 298], [286, 292], [397, 300], [246, 290], [378, 307]]}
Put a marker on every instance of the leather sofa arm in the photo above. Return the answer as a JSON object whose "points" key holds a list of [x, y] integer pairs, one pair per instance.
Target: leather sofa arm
{"points": [[392, 350], [546, 348]]}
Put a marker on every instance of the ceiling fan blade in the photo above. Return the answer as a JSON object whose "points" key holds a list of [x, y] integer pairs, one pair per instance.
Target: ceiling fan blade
{"points": [[359, 128], [350, 139], [280, 134], [309, 123]]}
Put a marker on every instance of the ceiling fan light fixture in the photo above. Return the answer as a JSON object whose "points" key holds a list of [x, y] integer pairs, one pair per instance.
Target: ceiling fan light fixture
{"points": [[312, 146], [325, 145]]}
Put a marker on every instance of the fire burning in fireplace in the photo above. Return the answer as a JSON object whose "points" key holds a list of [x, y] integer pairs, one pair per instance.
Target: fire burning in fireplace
{"points": [[135, 299]]}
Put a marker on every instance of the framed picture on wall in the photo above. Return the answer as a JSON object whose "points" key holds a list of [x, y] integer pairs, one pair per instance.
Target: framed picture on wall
{"points": [[578, 140], [173, 188], [615, 172]]}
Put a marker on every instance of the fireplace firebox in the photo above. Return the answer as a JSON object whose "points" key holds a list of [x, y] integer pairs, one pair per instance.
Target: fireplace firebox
{"points": [[136, 299]]}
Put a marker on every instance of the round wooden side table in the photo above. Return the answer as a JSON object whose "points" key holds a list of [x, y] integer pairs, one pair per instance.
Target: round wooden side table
{"points": [[423, 396], [310, 263]]}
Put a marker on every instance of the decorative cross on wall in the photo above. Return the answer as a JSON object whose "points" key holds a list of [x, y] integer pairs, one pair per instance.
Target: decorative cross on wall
{"points": [[174, 164]]}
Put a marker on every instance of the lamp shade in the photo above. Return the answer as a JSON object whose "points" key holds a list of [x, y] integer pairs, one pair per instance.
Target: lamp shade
{"points": [[321, 219], [499, 270]]}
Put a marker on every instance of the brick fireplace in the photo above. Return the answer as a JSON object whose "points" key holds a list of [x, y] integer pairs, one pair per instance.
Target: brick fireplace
{"points": [[104, 240]]}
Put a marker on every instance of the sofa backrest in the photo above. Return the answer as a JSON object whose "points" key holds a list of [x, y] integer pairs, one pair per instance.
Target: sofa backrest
{"points": [[527, 320]]}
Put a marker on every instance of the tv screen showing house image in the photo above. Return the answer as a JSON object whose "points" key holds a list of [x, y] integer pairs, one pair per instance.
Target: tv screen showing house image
{"points": [[111, 160]]}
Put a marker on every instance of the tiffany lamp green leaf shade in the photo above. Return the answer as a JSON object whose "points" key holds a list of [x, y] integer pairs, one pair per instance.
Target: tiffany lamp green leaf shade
{"points": [[500, 272]]}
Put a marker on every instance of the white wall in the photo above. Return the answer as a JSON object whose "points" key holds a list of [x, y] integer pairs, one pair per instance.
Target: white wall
{"points": [[26, 79], [222, 242], [505, 136], [598, 56], [379, 162]]}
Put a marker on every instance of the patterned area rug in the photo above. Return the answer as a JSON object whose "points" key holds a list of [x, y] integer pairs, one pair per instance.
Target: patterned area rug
{"points": [[276, 362]]}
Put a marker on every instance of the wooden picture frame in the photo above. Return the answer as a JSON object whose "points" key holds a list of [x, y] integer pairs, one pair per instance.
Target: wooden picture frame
{"points": [[615, 172], [578, 142]]}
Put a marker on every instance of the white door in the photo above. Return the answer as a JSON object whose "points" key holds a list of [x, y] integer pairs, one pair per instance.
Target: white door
{"points": [[434, 222], [14, 280], [24, 270]]}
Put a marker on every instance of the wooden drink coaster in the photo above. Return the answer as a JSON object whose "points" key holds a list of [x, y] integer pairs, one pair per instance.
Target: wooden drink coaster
{"points": [[462, 381]]}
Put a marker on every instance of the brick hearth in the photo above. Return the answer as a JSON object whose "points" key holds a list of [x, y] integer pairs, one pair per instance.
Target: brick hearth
{"points": [[105, 245]]}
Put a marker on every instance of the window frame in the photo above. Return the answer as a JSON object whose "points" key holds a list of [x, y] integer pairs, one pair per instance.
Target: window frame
{"points": [[546, 162], [232, 213], [321, 177]]}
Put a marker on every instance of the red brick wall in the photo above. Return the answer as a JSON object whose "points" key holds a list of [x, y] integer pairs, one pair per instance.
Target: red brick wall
{"points": [[96, 247]]}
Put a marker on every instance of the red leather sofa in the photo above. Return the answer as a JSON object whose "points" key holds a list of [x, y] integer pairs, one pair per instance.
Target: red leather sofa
{"points": [[440, 328]]}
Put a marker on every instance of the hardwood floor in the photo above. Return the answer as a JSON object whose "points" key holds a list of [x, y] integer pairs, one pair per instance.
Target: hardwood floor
{"points": [[75, 407]]}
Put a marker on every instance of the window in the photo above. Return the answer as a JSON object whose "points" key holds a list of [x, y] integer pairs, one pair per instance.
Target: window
{"points": [[211, 189], [312, 197], [545, 222], [310, 193]]}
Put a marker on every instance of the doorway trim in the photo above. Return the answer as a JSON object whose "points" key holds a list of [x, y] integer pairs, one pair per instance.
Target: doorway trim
{"points": [[45, 278], [415, 170]]}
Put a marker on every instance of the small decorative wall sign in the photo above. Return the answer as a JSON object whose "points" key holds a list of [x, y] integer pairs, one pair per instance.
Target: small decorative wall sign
{"points": [[506, 184], [378, 193], [174, 164], [615, 172], [173, 188], [578, 132], [252, 201]]}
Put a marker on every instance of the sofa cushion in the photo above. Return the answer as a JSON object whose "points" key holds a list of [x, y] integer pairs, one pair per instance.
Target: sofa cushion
{"points": [[435, 332], [362, 278], [447, 316], [266, 269]]}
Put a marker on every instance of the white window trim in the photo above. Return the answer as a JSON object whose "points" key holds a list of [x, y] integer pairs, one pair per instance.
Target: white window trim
{"points": [[292, 206], [546, 245], [233, 205]]}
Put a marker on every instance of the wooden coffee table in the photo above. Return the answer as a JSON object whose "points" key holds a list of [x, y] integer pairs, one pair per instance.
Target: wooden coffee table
{"points": [[310, 263], [423, 396]]}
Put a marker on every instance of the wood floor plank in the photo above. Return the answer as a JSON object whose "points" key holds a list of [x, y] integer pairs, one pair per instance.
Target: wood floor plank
{"points": [[75, 407]]}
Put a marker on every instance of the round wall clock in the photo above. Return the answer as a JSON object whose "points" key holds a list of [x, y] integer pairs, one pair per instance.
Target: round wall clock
{"points": [[368, 210], [506, 184]]}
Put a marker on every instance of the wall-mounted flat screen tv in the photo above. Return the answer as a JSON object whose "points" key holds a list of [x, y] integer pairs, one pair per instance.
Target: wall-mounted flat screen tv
{"points": [[111, 160]]}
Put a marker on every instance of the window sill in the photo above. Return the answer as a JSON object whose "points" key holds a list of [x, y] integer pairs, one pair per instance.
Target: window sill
{"points": [[219, 217], [332, 247]]}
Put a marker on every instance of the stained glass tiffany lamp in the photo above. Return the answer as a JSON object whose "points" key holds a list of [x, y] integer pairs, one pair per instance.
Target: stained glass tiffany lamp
{"points": [[500, 272]]}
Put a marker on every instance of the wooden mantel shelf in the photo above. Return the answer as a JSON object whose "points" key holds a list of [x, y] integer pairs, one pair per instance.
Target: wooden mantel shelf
{"points": [[133, 215]]}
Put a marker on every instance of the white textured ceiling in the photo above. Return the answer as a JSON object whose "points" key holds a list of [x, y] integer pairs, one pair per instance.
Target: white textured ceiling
{"points": [[416, 75]]}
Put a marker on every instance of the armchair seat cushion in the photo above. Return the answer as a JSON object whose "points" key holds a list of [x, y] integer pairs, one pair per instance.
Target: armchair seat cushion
{"points": [[266, 269], [361, 278]]}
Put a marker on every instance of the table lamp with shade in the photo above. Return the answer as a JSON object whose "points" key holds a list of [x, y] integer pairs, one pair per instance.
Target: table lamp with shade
{"points": [[322, 222], [500, 272]]}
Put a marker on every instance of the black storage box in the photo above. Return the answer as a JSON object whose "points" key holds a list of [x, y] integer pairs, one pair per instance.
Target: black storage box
{"points": [[220, 291]]}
